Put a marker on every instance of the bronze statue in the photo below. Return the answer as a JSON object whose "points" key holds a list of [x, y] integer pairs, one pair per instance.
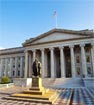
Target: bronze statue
{"points": [[36, 68], [39, 68]]}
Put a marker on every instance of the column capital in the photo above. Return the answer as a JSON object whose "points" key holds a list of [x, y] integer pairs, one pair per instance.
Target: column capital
{"points": [[42, 49], [61, 47], [71, 46], [92, 43], [26, 51], [51, 48], [33, 50], [82, 45]]}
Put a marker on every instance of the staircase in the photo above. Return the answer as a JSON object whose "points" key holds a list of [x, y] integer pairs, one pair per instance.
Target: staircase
{"points": [[36, 93]]}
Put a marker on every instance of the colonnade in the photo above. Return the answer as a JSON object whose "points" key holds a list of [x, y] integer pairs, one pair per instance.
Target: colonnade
{"points": [[62, 60]]}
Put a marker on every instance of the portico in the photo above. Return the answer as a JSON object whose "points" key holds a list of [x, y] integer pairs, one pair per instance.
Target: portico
{"points": [[60, 61], [62, 53]]}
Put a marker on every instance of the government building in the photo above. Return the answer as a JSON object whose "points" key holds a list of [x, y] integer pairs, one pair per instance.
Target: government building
{"points": [[63, 54]]}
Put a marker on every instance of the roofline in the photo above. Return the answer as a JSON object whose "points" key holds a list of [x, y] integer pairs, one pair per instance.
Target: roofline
{"points": [[11, 48], [81, 32], [29, 44]]}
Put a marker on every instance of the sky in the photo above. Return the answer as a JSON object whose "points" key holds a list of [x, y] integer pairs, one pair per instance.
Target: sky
{"points": [[24, 19]]}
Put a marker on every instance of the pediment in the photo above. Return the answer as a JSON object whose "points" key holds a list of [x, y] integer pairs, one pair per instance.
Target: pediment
{"points": [[56, 35]]}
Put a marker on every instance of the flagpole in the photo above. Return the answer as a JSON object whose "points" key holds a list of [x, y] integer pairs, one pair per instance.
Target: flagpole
{"points": [[56, 21], [55, 16]]}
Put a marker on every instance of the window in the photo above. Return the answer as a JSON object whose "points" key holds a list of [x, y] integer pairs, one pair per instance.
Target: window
{"points": [[89, 71], [13, 66], [87, 49], [88, 59], [18, 73], [77, 59], [13, 73], [78, 70], [18, 65]]}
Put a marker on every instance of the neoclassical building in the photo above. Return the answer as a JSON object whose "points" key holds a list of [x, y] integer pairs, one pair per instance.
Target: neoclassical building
{"points": [[62, 53]]}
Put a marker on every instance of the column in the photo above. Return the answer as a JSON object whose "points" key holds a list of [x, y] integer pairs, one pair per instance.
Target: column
{"points": [[1, 68], [42, 58], [52, 63], [34, 54], [11, 67], [83, 60], [6, 67], [30, 66], [72, 61], [21, 66], [62, 60], [26, 64], [92, 56], [16, 66]]}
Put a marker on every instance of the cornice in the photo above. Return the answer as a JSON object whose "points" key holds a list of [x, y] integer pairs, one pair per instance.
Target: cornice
{"points": [[12, 51], [65, 40], [82, 32]]}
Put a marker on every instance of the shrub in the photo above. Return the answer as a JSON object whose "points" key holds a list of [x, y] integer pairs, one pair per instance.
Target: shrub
{"points": [[5, 80]]}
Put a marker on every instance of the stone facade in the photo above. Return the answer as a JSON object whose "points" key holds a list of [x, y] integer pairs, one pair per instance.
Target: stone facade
{"points": [[62, 53]]}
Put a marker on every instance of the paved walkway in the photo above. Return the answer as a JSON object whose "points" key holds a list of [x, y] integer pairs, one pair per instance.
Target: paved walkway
{"points": [[79, 96], [7, 91]]}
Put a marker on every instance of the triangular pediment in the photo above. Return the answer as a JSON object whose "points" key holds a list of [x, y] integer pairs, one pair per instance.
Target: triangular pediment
{"points": [[56, 35]]}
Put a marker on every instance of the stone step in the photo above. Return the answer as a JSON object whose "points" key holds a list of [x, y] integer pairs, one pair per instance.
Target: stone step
{"points": [[54, 97], [46, 96], [36, 92], [33, 92], [36, 88], [29, 100], [31, 96]]}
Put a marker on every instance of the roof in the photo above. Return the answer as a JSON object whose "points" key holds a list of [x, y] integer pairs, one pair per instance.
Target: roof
{"points": [[86, 32], [12, 50]]}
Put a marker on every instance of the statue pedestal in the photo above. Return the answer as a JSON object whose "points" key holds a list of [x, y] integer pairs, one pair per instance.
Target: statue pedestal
{"points": [[36, 82]]}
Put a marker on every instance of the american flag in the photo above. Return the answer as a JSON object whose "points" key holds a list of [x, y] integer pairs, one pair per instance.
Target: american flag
{"points": [[54, 14]]}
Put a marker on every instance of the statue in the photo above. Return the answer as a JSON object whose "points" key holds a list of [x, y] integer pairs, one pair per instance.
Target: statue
{"points": [[39, 68], [36, 68]]}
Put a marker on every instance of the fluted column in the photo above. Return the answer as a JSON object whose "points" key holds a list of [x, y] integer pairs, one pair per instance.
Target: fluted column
{"points": [[52, 63], [92, 56], [34, 54], [11, 67], [21, 66], [1, 68], [83, 60], [72, 61], [30, 66], [6, 67], [26, 64], [62, 60], [16, 66], [42, 57]]}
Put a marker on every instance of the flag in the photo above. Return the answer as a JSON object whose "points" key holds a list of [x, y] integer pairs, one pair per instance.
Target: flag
{"points": [[54, 14]]}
